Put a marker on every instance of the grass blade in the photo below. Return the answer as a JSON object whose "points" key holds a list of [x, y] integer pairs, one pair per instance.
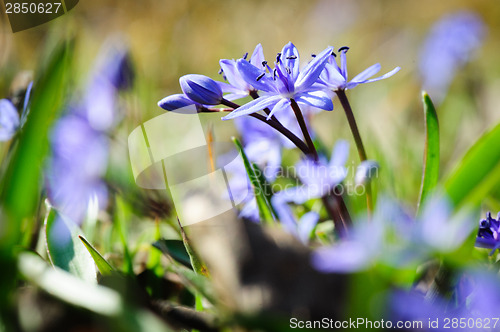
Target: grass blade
{"points": [[102, 264], [478, 172], [430, 174], [265, 209]]}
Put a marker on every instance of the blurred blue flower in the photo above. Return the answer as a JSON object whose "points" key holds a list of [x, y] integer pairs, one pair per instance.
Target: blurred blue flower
{"points": [[201, 89], [450, 44], [9, 120], [80, 142], [488, 235], [436, 231], [283, 83], [318, 179], [475, 300], [238, 87], [335, 78]]}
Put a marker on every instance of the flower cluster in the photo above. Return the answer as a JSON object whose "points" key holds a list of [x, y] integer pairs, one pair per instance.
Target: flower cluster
{"points": [[279, 87]]}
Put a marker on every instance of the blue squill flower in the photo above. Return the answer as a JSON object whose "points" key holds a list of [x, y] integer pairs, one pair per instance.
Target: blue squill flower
{"points": [[238, 87], [335, 78], [201, 89], [488, 235], [453, 40], [9, 120], [284, 83]]}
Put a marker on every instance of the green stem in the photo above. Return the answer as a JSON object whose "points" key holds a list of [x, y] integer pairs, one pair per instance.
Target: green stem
{"points": [[359, 142]]}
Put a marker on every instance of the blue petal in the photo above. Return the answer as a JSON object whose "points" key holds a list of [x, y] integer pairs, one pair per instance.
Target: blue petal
{"points": [[367, 73], [290, 58], [311, 72], [257, 56], [352, 84], [306, 225], [233, 76], [319, 99], [332, 77], [253, 106], [201, 89], [283, 104], [9, 120], [343, 63], [250, 73], [175, 102]]}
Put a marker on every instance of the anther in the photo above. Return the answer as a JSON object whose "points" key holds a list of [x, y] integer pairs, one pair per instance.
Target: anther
{"points": [[260, 76], [221, 71], [288, 70], [333, 53], [343, 48], [264, 63], [313, 55], [291, 57], [278, 57], [245, 56]]}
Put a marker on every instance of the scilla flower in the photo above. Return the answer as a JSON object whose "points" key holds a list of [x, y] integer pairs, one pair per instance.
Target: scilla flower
{"points": [[284, 83], [335, 77]]}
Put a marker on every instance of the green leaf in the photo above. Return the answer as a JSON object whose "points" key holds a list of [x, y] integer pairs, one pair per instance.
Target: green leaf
{"points": [[65, 249], [102, 264], [430, 174], [20, 189], [478, 172], [196, 262], [265, 209], [174, 249]]}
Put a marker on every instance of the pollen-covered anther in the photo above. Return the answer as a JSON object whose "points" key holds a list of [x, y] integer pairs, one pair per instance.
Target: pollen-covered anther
{"points": [[291, 57], [264, 63], [245, 56], [260, 76], [343, 48], [278, 58], [333, 53]]}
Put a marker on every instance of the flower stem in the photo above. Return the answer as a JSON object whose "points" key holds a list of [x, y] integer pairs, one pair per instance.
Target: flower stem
{"points": [[333, 202], [359, 142], [276, 125], [303, 127]]}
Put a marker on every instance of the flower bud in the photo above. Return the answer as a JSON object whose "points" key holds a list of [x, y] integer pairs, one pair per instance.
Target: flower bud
{"points": [[177, 102], [201, 89]]}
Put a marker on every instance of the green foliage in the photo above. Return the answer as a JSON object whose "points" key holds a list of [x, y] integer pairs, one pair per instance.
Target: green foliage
{"points": [[263, 203], [478, 172], [64, 248], [430, 174], [102, 264]]}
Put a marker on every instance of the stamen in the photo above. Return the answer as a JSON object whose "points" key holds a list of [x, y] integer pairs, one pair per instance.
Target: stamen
{"points": [[333, 53], [291, 57], [288, 70], [274, 74], [313, 55], [245, 56], [264, 63], [343, 48], [278, 57], [220, 71], [260, 76]]}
